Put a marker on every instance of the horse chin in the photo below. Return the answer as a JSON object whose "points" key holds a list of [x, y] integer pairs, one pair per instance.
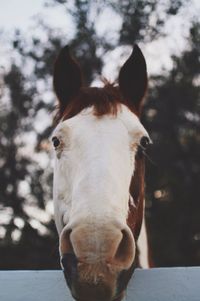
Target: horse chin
{"points": [[116, 298], [85, 292], [93, 292]]}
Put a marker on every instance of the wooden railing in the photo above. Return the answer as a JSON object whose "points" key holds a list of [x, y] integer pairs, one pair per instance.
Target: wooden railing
{"points": [[160, 284]]}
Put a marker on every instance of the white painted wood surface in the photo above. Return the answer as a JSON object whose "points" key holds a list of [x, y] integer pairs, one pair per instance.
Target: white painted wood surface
{"points": [[163, 284]]}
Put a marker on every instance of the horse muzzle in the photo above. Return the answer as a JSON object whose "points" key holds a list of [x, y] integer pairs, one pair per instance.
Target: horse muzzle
{"points": [[96, 263], [96, 282]]}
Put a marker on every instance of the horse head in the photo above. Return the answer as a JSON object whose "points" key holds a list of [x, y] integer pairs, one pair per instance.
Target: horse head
{"points": [[99, 176]]}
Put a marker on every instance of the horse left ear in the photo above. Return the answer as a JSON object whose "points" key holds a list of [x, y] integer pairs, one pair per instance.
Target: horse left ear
{"points": [[133, 80], [67, 78]]}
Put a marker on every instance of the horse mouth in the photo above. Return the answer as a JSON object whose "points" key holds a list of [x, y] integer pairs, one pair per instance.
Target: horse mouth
{"points": [[112, 289]]}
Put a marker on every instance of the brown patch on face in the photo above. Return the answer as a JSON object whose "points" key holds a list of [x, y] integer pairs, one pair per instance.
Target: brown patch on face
{"points": [[136, 211], [105, 100]]}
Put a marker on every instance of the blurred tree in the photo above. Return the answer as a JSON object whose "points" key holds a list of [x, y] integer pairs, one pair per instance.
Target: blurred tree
{"points": [[173, 118], [19, 169], [143, 20]]}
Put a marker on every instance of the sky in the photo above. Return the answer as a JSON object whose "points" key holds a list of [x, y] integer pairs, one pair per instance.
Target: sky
{"points": [[22, 14]]}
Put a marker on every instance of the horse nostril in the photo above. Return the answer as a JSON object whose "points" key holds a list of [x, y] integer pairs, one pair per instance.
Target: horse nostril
{"points": [[69, 264], [65, 242], [126, 250], [68, 261]]}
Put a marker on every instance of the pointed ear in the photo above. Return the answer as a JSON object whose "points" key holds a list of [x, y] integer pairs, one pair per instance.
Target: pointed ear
{"points": [[67, 78], [133, 79]]}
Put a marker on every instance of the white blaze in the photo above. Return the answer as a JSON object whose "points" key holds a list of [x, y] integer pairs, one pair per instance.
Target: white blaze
{"points": [[94, 166]]}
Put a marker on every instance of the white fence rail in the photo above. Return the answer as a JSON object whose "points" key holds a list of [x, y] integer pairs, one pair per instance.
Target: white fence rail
{"points": [[163, 284]]}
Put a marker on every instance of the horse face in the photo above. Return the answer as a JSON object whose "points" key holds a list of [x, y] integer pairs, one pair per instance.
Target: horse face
{"points": [[94, 164], [95, 151]]}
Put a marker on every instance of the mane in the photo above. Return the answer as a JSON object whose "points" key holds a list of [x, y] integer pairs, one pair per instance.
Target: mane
{"points": [[105, 100]]}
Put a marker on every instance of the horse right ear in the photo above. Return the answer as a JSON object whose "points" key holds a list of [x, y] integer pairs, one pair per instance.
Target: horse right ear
{"points": [[133, 80], [67, 78]]}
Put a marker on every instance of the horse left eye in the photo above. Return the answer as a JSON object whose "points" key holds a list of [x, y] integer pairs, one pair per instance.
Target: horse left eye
{"points": [[55, 141], [144, 142]]}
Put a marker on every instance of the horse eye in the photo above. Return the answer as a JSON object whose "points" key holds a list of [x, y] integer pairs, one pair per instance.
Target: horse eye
{"points": [[55, 141], [144, 142]]}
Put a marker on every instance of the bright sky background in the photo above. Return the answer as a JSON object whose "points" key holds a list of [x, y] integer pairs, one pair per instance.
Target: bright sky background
{"points": [[22, 14]]}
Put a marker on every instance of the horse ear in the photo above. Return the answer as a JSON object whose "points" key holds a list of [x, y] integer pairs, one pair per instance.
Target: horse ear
{"points": [[67, 78], [133, 79]]}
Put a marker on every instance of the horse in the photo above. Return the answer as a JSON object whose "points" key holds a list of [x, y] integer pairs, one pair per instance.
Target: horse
{"points": [[98, 188]]}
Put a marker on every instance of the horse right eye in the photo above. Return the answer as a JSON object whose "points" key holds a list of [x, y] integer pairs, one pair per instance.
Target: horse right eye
{"points": [[56, 142], [144, 142]]}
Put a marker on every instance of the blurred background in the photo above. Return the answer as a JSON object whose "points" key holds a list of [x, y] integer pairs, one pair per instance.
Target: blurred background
{"points": [[101, 35]]}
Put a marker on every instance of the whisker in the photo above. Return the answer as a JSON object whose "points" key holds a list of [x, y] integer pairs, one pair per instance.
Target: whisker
{"points": [[150, 160]]}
